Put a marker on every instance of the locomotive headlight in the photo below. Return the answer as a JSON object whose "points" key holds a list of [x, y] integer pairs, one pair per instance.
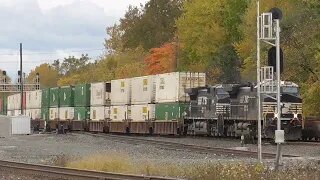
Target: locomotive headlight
{"points": [[295, 115], [275, 115]]}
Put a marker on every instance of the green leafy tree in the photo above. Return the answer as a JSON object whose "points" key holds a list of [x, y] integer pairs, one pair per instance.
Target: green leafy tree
{"points": [[207, 29], [149, 26], [48, 75]]}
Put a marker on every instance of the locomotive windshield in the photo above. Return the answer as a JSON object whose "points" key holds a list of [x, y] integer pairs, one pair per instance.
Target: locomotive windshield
{"points": [[290, 90]]}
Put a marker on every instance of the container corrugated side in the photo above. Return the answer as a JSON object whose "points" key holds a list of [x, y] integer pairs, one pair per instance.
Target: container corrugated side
{"points": [[17, 101], [33, 99], [29, 99], [120, 113], [170, 87], [143, 90], [35, 113], [142, 113], [66, 113], [20, 125], [107, 112], [66, 96], [5, 105], [81, 113], [45, 98], [120, 92], [82, 95], [53, 113], [28, 113], [54, 97], [171, 111], [97, 113], [10, 102], [98, 93]]}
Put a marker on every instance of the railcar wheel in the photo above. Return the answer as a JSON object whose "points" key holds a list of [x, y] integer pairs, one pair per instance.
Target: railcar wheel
{"points": [[150, 130], [127, 130]]}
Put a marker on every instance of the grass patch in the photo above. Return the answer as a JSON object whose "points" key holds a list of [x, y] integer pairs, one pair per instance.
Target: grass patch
{"points": [[120, 163]]}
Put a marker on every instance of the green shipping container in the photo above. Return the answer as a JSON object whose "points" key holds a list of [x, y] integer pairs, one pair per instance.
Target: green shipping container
{"points": [[81, 113], [5, 105], [66, 96], [54, 97], [45, 99], [45, 114], [82, 95], [170, 111]]}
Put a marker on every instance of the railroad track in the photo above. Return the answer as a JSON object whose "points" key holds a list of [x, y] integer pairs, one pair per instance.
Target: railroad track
{"points": [[304, 143], [180, 146], [68, 173]]}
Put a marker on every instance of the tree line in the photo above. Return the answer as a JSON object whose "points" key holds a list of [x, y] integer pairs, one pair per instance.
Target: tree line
{"points": [[213, 36]]}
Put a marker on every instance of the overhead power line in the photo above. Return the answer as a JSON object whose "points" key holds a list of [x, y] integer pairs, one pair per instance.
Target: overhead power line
{"points": [[14, 53]]}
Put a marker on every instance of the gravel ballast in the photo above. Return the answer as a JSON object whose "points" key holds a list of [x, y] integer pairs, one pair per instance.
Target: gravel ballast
{"points": [[48, 148]]}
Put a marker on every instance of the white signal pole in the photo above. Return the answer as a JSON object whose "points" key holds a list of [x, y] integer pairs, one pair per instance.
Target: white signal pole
{"points": [[277, 22], [258, 84]]}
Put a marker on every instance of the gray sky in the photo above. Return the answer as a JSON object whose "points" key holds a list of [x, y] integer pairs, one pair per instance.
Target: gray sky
{"points": [[55, 28]]}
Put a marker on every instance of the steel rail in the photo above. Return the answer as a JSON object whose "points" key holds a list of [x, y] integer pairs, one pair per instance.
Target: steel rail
{"points": [[181, 146], [69, 173]]}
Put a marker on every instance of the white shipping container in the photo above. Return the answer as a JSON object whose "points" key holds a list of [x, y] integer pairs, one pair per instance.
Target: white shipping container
{"points": [[170, 87], [97, 113], [99, 95], [120, 113], [66, 113], [143, 112], [20, 125], [53, 113], [33, 99], [120, 91], [143, 90]]}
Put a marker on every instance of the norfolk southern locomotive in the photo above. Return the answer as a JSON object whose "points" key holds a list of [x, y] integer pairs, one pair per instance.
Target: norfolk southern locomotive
{"points": [[231, 110]]}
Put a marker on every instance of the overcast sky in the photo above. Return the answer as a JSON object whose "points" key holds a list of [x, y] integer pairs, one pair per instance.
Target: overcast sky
{"points": [[52, 29]]}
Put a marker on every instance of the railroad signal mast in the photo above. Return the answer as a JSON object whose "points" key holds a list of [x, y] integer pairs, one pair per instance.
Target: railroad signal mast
{"points": [[268, 77]]}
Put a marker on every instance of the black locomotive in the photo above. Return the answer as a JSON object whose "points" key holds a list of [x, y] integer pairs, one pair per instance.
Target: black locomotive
{"points": [[231, 110]]}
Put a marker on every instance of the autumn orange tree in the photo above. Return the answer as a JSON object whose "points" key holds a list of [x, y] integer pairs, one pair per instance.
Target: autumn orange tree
{"points": [[162, 59]]}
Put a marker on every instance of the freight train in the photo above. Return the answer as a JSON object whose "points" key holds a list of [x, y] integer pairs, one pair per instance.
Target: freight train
{"points": [[166, 104]]}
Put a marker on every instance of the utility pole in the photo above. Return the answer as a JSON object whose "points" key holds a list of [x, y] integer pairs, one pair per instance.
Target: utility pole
{"points": [[21, 79]]}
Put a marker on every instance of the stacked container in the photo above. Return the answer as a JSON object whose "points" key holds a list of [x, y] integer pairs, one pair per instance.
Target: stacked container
{"points": [[120, 111], [14, 104], [172, 100], [33, 104], [66, 103], [82, 102], [54, 103], [81, 106], [142, 104], [45, 104], [99, 102]]}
